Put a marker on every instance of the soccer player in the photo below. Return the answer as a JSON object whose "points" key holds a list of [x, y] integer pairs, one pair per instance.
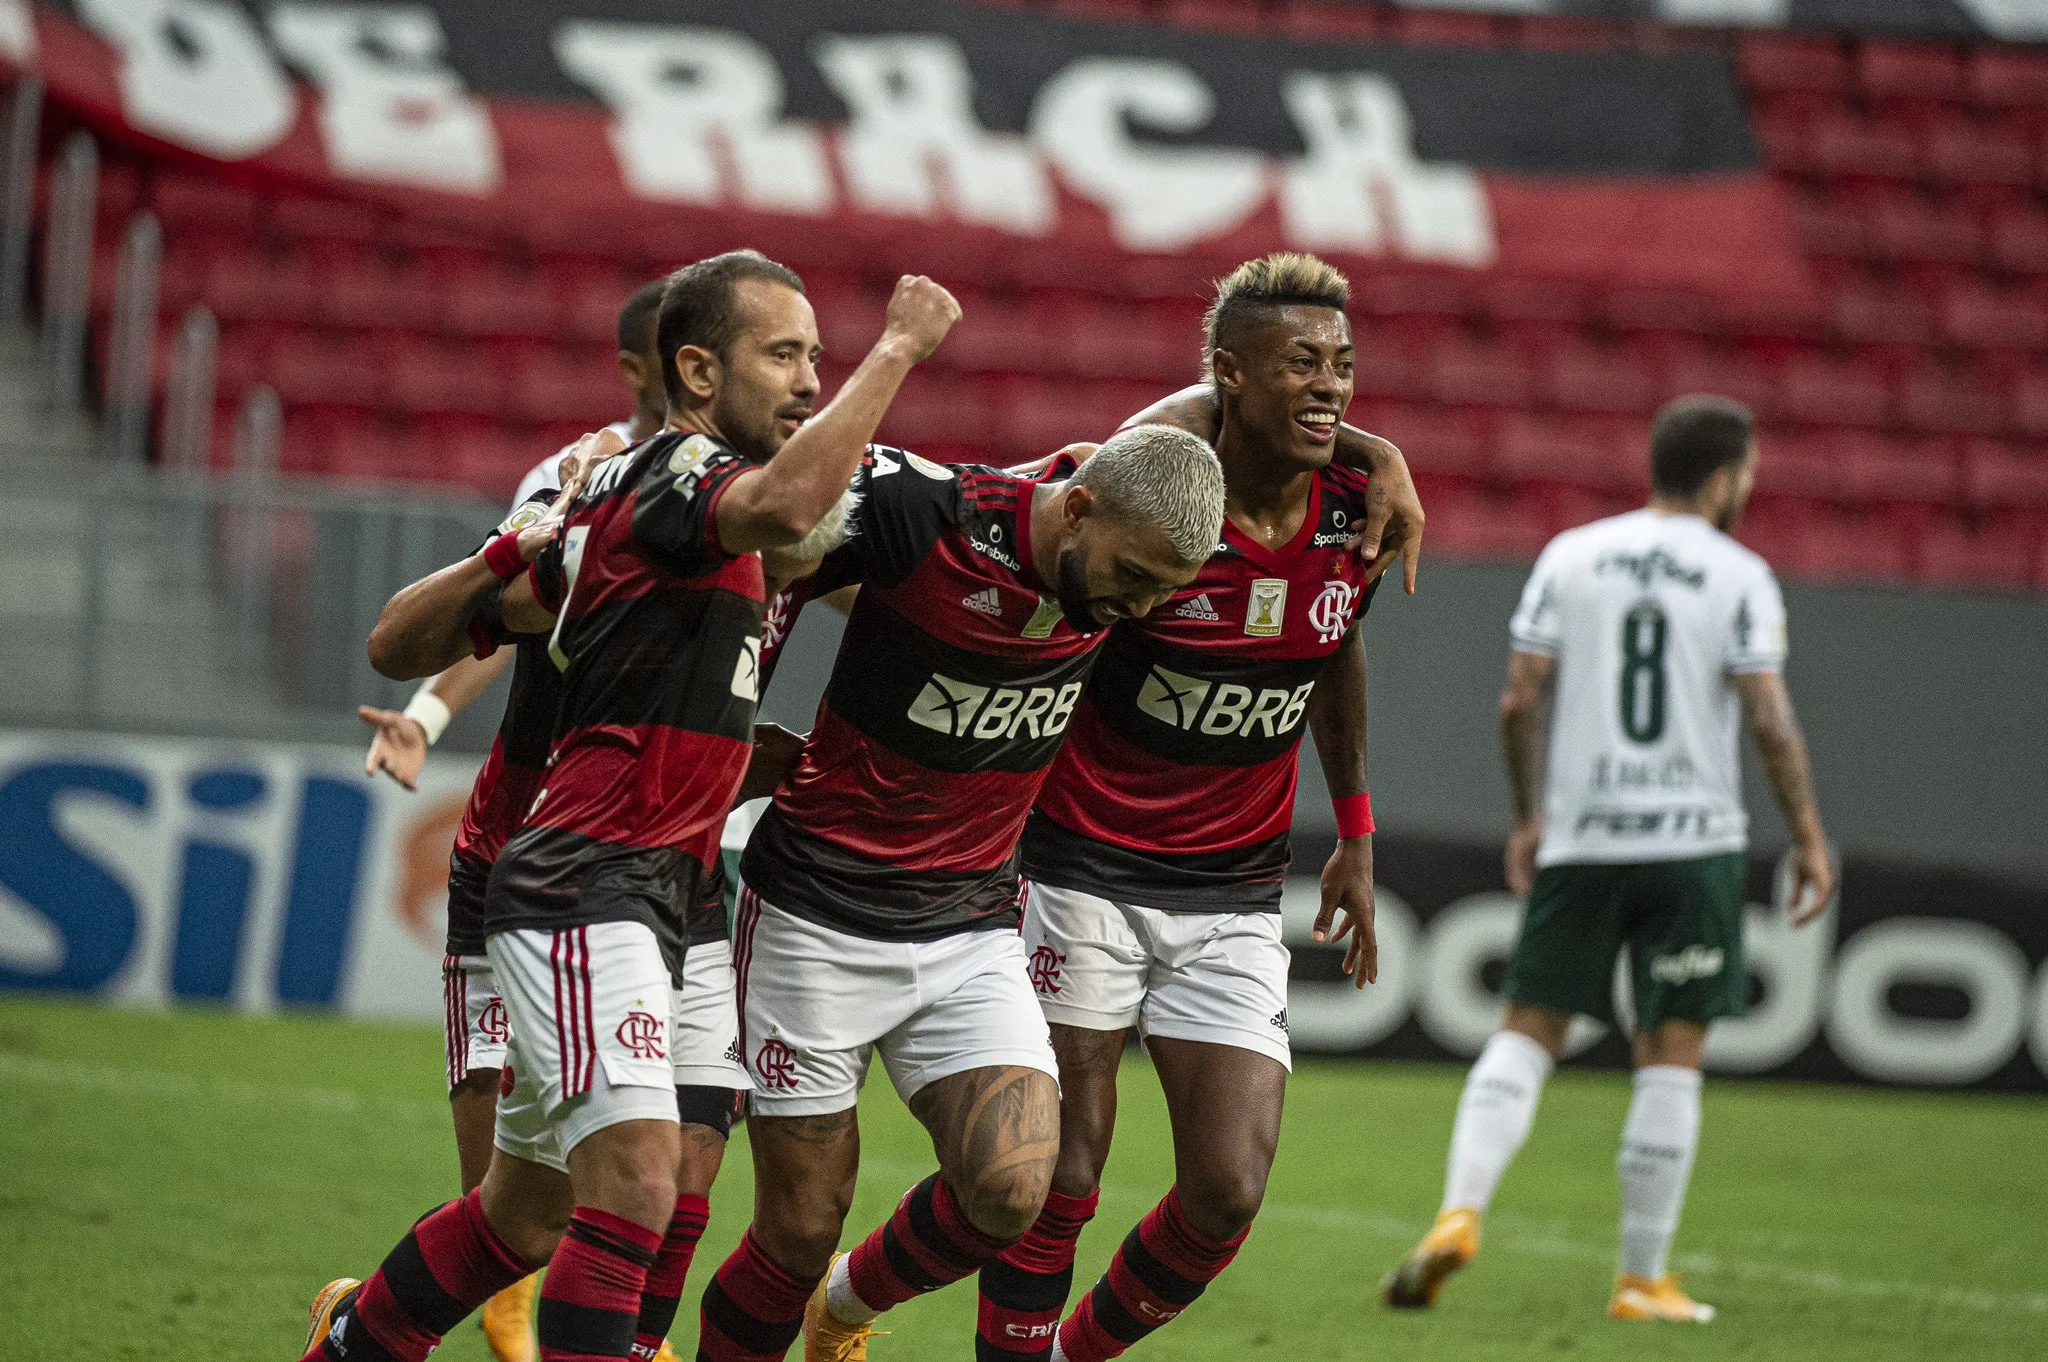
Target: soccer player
{"points": [[878, 904], [1155, 858], [474, 1014], [655, 589], [1654, 634]]}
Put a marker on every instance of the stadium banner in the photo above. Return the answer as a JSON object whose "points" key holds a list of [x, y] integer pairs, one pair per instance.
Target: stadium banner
{"points": [[2020, 21], [1031, 139], [1923, 977], [159, 870]]}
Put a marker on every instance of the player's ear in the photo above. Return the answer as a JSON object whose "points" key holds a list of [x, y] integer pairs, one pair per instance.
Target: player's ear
{"points": [[633, 368], [700, 371], [1077, 504], [1223, 368]]}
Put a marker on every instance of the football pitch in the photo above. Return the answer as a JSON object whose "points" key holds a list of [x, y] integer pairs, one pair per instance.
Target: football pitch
{"points": [[177, 1185]]}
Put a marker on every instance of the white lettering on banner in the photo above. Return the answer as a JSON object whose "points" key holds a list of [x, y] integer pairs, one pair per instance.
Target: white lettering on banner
{"points": [[390, 108], [1980, 961], [17, 30], [1728, 13], [2016, 21], [196, 73], [1158, 198], [2037, 1039], [1792, 963], [1361, 171], [687, 98], [1453, 1004], [913, 129]]}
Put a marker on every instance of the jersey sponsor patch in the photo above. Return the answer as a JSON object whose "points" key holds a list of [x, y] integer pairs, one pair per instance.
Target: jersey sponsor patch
{"points": [[1222, 709], [962, 709], [1267, 609]]}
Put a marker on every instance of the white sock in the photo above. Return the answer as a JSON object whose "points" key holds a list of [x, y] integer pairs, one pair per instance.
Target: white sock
{"points": [[1058, 1354], [1494, 1115], [840, 1298], [1658, 1142]]}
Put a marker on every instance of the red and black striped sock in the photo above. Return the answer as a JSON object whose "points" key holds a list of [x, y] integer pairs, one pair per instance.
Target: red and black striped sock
{"points": [[1163, 1266], [447, 1265], [926, 1244], [671, 1269], [590, 1299], [753, 1307], [1024, 1292]]}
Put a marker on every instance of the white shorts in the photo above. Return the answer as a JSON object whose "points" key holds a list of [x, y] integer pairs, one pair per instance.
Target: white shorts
{"points": [[473, 1024], [1220, 978], [817, 1004], [589, 1009], [707, 1021]]}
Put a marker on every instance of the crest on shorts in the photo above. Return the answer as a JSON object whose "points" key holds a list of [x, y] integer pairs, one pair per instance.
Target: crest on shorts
{"points": [[1045, 969], [1268, 605], [775, 1065]]}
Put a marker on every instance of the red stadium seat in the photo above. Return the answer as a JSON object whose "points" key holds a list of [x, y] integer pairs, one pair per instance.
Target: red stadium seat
{"points": [[326, 367], [201, 204], [1896, 70], [1996, 553], [2027, 409], [1868, 311], [1828, 392], [1846, 146], [436, 375], [2000, 77], [1951, 400], [1849, 546], [490, 297], [997, 334], [1830, 225], [2019, 240], [2000, 476], [1584, 452], [1601, 378], [931, 409], [1466, 523], [1985, 318], [1159, 341], [1958, 150], [1728, 373], [1432, 439], [1469, 371], [1785, 63], [1914, 227], [578, 383]]}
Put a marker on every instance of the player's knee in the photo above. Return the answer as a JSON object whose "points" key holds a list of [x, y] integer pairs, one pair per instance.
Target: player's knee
{"points": [[800, 1233], [1223, 1203], [477, 1083], [1003, 1205]]}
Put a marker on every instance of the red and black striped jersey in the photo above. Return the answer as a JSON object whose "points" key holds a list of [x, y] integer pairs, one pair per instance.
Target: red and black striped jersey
{"points": [[950, 696], [511, 774], [707, 917], [1176, 786], [657, 637]]}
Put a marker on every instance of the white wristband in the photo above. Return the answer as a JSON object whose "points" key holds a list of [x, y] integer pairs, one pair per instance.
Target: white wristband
{"points": [[431, 713]]}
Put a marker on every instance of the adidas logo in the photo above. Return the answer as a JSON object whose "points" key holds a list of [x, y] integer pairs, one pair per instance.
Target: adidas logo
{"points": [[732, 1052], [1278, 1019], [1199, 609], [988, 602]]}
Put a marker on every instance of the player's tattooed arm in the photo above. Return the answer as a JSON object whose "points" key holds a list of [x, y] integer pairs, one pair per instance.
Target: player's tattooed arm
{"points": [[1336, 718], [1521, 739], [1781, 748], [1394, 518]]}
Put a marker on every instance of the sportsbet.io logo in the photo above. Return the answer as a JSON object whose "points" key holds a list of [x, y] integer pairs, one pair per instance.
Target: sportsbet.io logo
{"points": [[1222, 709], [961, 709]]}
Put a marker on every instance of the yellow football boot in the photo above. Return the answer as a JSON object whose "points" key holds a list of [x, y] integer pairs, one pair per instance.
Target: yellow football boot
{"points": [[332, 1297], [825, 1338], [665, 1353], [1448, 1246], [1659, 1298], [507, 1321]]}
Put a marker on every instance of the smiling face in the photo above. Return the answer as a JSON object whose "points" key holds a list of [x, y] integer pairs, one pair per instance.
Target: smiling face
{"points": [[1286, 373], [1110, 570], [766, 384]]}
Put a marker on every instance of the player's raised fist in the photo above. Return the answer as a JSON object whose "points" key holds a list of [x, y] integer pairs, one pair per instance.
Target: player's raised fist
{"points": [[583, 457], [920, 314]]}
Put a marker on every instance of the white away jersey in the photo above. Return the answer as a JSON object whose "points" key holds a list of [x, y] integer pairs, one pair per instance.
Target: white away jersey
{"points": [[1649, 617], [548, 472]]}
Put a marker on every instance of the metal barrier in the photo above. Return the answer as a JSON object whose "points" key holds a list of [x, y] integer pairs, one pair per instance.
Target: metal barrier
{"points": [[163, 601]]}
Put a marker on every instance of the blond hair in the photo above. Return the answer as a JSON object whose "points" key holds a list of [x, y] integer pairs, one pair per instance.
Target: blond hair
{"points": [[1161, 476], [1274, 280]]}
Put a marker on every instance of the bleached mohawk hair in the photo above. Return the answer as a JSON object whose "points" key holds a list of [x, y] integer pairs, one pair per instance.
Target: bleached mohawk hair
{"points": [[1276, 280]]}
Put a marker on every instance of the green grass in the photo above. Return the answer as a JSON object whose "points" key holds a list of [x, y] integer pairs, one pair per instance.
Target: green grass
{"points": [[176, 1185]]}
